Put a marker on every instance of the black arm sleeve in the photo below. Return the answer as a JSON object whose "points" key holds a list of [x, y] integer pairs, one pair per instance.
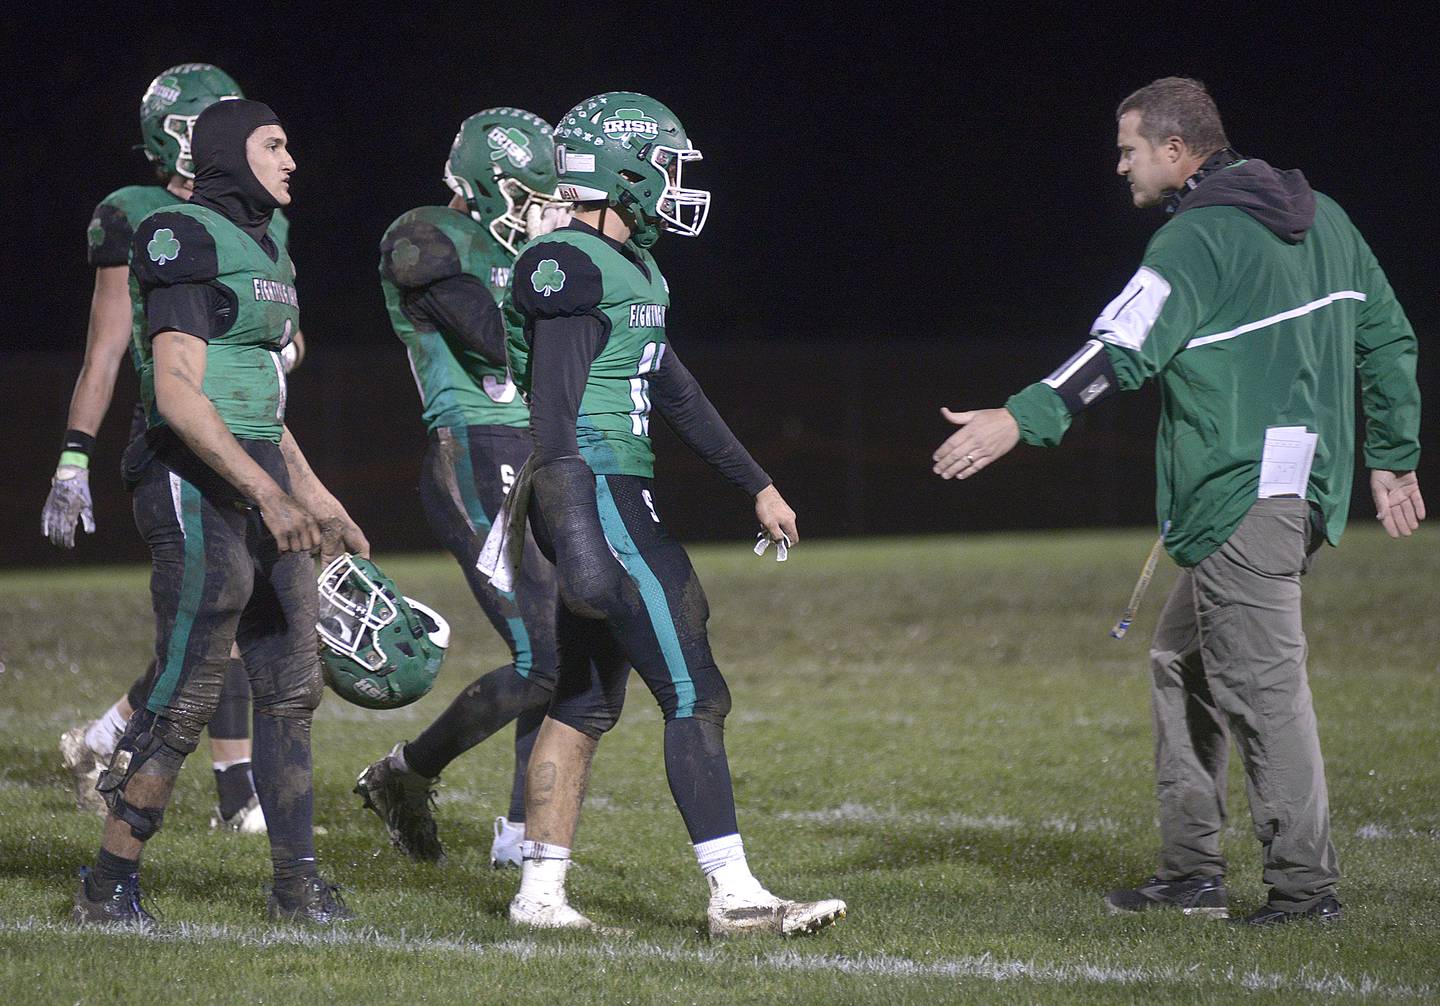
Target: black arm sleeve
{"points": [[196, 309], [463, 306], [562, 350], [679, 398]]}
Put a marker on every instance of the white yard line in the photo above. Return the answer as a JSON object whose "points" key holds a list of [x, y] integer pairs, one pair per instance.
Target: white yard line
{"points": [[984, 967]]}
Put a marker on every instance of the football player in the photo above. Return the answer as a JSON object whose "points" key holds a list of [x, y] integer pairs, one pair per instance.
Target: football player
{"points": [[230, 509], [167, 114], [592, 355], [444, 270]]}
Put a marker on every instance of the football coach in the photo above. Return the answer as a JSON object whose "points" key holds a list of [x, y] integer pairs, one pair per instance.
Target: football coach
{"points": [[1256, 306]]}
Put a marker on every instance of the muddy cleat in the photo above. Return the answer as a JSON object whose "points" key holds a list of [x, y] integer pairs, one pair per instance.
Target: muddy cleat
{"points": [[308, 900], [762, 912], [120, 907], [248, 820], [505, 849], [555, 915], [1202, 896], [403, 801], [84, 765], [1327, 909]]}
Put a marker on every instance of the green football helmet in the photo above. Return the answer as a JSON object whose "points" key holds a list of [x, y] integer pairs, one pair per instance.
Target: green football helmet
{"points": [[628, 150], [169, 108], [503, 164], [378, 649]]}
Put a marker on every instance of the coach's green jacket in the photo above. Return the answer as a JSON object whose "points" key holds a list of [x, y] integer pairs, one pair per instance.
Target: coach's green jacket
{"points": [[1255, 306]]}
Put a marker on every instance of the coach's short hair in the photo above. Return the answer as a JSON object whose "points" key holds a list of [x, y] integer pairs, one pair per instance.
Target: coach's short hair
{"points": [[1177, 106]]}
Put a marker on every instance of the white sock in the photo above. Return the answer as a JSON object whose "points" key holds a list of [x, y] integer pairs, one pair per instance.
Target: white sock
{"points": [[542, 872], [103, 734], [398, 758], [722, 860], [221, 766]]}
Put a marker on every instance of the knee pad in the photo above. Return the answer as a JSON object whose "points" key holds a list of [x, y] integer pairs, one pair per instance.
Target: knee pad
{"points": [[143, 750], [593, 723], [297, 695], [713, 708]]}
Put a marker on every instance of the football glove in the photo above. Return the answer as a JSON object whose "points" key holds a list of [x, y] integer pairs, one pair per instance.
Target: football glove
{"points": [[69, 500]]}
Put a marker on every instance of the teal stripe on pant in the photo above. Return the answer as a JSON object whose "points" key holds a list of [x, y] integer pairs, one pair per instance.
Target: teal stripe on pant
{"points": [[192, 592], [480, 521], [651, 592]]}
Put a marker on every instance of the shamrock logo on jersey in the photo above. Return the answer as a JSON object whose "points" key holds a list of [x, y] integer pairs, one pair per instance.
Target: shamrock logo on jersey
{"points": [[95, 234], [628, 122], [509, 142], [548, 277], [404, 255], [163, 247]]}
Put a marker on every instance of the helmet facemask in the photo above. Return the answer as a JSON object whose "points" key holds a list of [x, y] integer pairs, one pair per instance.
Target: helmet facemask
{"points": [[178, 128], [509, 227], [683, 211], [353, 608]]}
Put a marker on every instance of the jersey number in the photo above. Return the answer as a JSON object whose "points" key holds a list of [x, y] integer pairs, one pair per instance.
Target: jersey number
{"points": [[640, 388]]}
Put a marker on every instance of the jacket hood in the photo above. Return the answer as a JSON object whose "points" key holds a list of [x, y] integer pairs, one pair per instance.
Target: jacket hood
{"points": [[1282, 201]]}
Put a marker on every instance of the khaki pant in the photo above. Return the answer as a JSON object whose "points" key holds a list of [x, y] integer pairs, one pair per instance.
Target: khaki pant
{"points": [[1228, 659]]}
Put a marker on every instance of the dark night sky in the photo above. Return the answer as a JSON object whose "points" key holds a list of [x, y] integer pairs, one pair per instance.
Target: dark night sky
{"points": [[873, 173]]}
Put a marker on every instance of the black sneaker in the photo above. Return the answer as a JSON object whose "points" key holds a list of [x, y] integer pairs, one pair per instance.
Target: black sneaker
{"points": [[403, 801], [1327, 909], [308, 899], [1204, 896], [119, 906]]}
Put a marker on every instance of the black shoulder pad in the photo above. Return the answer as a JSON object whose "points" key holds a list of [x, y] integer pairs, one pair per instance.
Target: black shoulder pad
{"points": [[554, 279], [108, 237], [416, 253], [172, 248]]}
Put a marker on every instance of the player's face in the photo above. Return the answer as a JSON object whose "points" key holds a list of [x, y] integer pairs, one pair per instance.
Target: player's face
{"points": [[269, 156], [1147, 167]]}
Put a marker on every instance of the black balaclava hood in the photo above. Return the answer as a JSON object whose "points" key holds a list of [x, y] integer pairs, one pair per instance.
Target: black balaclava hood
{"points": [[223, 179]]}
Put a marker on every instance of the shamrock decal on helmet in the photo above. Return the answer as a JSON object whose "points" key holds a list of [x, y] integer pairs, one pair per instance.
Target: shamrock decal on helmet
{"points": [[404, 255], [548, 277], [163, 247], [507, 141]]}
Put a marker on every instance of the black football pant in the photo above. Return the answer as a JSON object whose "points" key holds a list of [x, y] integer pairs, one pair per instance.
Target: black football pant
{"points": [[217, 579], [464, 478], [631, 596], [232, 717]]}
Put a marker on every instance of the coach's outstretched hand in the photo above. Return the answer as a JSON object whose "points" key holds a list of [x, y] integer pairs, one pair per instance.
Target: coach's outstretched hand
{"points": [[984, 435], [1398, 503], [775, 515]]}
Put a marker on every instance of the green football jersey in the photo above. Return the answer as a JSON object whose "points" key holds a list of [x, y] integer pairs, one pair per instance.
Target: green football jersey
{"points": [[112, 228], [244, 373], [576, 271], [1247, 332], [458, 386]]}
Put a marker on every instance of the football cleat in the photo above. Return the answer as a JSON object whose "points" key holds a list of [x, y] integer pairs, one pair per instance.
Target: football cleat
{"points": [[84, 766], [1201, 896], [403, 800], [555, 915], [120, 907], [248, 820], [763, 912], [310, 900], [505, 849], [1327, 909]]}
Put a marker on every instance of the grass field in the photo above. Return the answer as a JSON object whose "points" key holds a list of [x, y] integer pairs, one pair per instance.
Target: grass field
{"points": [[938, 730]]}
